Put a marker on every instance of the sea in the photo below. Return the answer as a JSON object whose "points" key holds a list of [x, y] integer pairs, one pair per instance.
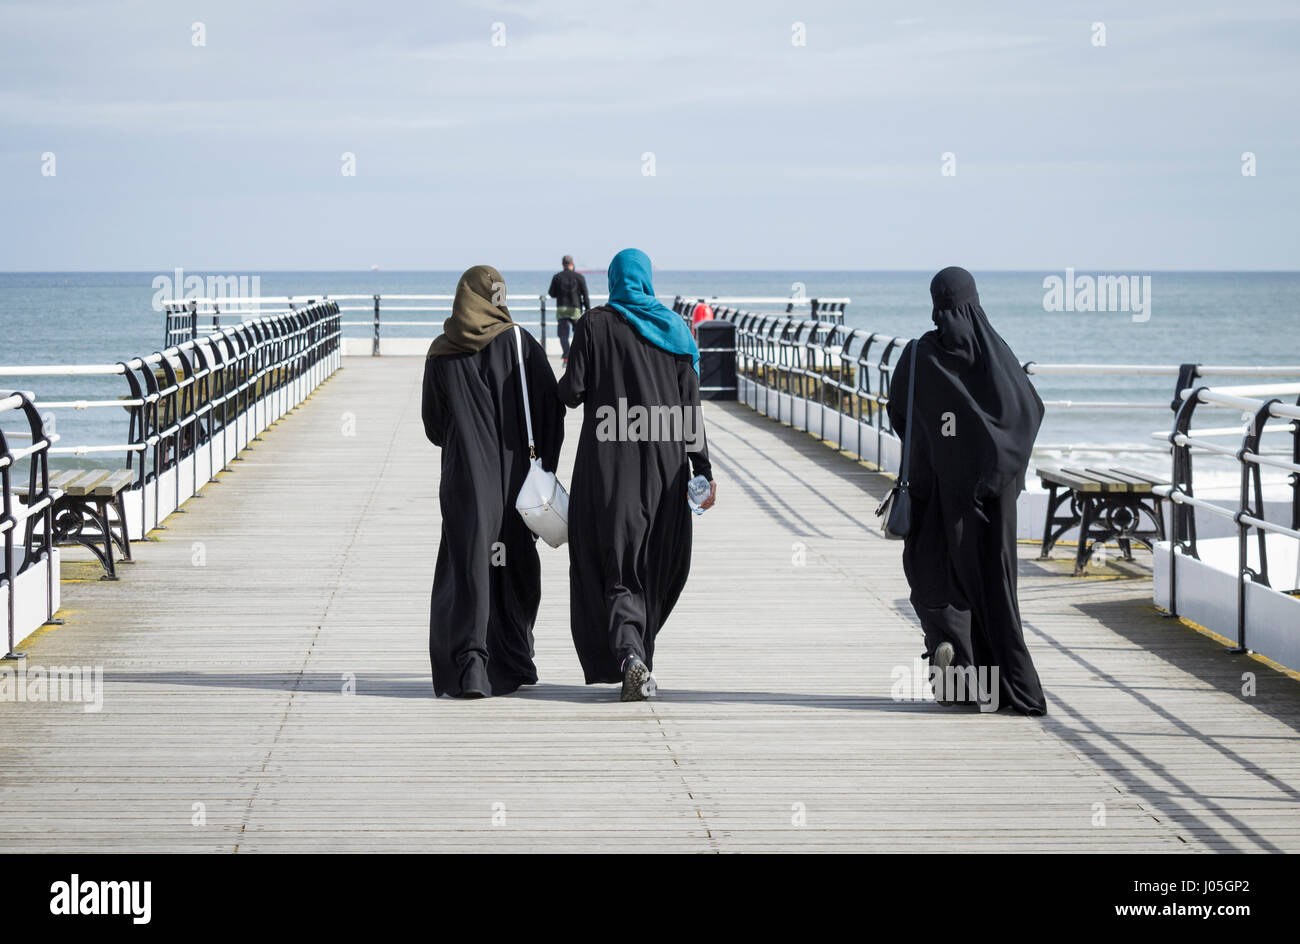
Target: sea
{"points": [[1222, 318]]}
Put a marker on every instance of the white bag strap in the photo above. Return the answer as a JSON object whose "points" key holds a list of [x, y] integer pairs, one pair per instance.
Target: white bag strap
{"points": [[523, 385]]}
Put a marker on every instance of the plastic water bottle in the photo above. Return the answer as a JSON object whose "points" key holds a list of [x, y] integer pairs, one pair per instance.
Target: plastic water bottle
{"points": [[698, 490]]}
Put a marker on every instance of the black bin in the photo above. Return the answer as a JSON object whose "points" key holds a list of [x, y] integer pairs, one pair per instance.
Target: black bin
{"points": [[717, 343]]}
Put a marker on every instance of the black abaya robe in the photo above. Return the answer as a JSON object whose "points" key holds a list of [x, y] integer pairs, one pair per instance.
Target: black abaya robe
{"points": [[487, 584], [976, 417], [629, 524]]}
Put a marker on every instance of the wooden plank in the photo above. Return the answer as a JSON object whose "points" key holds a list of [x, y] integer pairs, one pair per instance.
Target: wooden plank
{"points": [[1109, 477], [57, 481], [1132, 484], [1104, 483], [1143, 477], [85, 483], [226, 674], [1070, 479], [60, 479], [115, 482]]}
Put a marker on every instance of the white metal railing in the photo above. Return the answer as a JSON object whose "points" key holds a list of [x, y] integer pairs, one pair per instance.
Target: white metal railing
{"points": [[26, 511], [849, 369], [1147, 370], [184, 315], [208, 395], [1162, 370], [1258, 403]]}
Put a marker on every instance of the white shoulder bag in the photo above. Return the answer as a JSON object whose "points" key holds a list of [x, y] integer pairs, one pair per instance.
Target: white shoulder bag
{"points": [[542, 500]]}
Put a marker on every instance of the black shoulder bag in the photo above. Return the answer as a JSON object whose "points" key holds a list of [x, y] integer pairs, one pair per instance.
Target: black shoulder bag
{"points": [[896, 509]]}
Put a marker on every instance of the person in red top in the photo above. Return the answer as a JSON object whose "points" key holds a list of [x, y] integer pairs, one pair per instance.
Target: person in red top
{"points": [[702, 313]]}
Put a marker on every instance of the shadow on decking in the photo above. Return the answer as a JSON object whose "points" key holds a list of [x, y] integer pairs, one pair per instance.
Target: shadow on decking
{"points": [[403, 685], [1205, 661], [1201, 657], [778, 503], [677, 696]]}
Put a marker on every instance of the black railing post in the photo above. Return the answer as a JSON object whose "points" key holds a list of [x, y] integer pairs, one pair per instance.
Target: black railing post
{"points": [[374, 350], [541, 320], [7, 568], [1182, 518], [1295, 476], [1243, 571], [1250, 474]]}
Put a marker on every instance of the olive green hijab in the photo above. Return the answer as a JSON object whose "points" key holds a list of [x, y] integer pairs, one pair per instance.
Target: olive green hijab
{"points": [[476, 317]]}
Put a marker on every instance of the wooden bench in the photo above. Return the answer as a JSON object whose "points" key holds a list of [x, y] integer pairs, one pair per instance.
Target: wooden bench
{"points": [[84, 511], [1106, 504]]}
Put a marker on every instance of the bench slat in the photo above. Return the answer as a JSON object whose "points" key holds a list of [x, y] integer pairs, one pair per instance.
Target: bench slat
{"points": [[115, 482], [1145, 476], [1094, 479], [1104, 483], [1127, 481], [85, 484], [63, 476], [1135, 483], [69, 479], [1068, 478]]}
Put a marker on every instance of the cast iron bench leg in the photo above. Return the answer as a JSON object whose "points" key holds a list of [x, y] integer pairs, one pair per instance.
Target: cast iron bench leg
{"points": [[123, 539], [1084, 553], [100, 512], [1046, 550]]}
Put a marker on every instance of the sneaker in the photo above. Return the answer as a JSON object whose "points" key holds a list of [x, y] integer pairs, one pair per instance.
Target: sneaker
{"points": [[638, 683], [940, 661]]}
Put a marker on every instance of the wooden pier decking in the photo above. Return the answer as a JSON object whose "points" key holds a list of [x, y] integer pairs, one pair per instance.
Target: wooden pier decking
{"points": [[229, 646]]}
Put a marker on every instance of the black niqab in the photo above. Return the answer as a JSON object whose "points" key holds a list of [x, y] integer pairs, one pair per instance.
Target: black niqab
{"points": [[973, 426], [975, 406]]}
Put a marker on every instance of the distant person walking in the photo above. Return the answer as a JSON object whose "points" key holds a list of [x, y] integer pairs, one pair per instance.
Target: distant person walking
{"points": [[975, 417], [569, 289], [634, 367], [487, 583]]}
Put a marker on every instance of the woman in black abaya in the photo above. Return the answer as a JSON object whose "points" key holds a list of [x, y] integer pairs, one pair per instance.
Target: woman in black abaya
{"points": [[487, 583], [974, 421], [629, 524]]}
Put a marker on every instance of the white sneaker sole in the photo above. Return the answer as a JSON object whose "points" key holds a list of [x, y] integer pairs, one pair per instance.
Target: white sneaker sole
{"points": [[944, 654]]}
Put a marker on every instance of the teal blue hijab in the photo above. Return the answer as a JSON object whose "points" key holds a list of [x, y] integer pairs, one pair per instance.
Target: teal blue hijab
{"points": [[632, 294]]}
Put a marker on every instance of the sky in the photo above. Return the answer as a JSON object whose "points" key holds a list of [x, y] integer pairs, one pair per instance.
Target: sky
{"points": [[896, 135]]}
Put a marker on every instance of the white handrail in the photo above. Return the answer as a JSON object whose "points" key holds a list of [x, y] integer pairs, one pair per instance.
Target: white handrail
{"points": [[1182, 498], [180, 305], [87, 450], [60, 370], [1247, 403], [1105, 405], [1237, 431], [1164, 370], [761, 299], [1270, 460]]}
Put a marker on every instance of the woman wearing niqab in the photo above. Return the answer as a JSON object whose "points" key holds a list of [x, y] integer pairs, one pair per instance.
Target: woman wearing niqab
{"points": [[975, 418], [487, 581], [629, 523]]}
